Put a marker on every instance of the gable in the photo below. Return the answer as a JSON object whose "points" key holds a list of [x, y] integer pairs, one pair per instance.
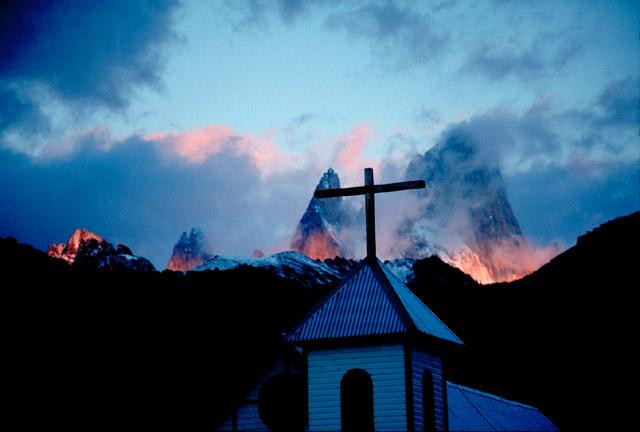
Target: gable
{"points": [[371, 300], [358, 307]]}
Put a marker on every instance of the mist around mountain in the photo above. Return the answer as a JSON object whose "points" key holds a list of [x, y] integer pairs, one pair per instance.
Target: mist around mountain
{"points": [[462, 216], [320, 234], [191, 251], [176, 350]]}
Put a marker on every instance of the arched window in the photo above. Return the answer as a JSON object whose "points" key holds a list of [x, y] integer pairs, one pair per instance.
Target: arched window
{"points": [[356, 401], [428, 406]]}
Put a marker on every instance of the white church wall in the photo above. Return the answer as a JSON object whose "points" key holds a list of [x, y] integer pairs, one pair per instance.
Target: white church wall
{"points": [[385, 365], [420, 362]]}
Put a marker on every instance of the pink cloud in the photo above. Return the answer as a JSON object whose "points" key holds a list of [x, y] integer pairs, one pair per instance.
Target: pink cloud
{"points": [[346, 155], [350, 147], [197, 145]]}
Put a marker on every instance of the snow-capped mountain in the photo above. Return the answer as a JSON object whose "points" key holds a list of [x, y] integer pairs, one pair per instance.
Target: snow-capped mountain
{"points": [[87, 249], [465, 216], [318, 234], [191, 251], [288, 264]]}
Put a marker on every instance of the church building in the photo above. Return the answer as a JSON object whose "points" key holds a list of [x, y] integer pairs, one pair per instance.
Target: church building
{"points": [[372, 360]]}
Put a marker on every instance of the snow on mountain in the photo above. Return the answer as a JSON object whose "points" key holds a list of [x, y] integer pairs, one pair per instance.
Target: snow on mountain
{"points": [[87, 249], [318, 234], [68, 252], [462, 216], [402, 268], [465, 216], [191, 251], [288, 264]]}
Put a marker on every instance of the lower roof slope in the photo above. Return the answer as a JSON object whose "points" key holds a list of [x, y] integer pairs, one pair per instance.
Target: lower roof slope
{"points": [[473, 410]]}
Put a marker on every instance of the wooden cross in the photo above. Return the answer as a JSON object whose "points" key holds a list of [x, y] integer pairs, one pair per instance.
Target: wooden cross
{"points": [[369, 190]]}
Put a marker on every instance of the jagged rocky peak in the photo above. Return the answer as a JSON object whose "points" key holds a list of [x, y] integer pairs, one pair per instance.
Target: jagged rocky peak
{"points": [[466, 217], [89, 250], [191, 251], [329, 180], [318, 232], [79, 238]]}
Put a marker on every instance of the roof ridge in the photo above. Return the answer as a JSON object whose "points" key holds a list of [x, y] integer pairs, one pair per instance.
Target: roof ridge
{"points": [[354, 307], [491, 396], [411, 293], [392, 295]]}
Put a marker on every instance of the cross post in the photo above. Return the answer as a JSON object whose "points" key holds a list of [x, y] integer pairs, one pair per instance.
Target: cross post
{"points": [[369, 190]]}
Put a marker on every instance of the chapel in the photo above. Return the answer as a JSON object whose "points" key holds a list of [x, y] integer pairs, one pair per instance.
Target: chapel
{"points": [[370, 357]]}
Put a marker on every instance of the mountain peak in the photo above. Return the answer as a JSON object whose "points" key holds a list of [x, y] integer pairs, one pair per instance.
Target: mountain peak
{"points": [[190, 251], [329, 180], [466, 216], [90, 250], [68, 252], [318, 232]]}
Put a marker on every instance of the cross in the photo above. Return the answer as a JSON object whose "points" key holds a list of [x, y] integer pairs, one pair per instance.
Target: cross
{"points": [[369, 190]]}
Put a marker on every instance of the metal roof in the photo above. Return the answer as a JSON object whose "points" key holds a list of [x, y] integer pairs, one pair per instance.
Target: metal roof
{"points": [[473, 410], [424, 319], [371, 300]]}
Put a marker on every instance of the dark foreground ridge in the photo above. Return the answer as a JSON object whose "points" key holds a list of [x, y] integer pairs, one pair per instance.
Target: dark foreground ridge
{"points": [[98, 350]]}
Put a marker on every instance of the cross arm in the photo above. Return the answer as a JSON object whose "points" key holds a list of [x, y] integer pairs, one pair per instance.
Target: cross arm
{"points": [[361, 190]]}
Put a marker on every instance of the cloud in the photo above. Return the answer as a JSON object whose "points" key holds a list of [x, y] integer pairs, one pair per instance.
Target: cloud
{"points": [[247, 191], [242, 189], [619, 103], [540, 58], [20, 115], [556, 204], [400, 33], [136, 193], [397, 30], [541, 136], [79, 56], [199, 145], [566, 171], [350, 148], [256, 13], [93, 52]]}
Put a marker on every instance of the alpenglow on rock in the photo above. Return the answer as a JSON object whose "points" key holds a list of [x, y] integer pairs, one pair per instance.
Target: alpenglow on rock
{"points": [[465, 215], [319, 231], [79, 238], [191, 251], [89, 250]]}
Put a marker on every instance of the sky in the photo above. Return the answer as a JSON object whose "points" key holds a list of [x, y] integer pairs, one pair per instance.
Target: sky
{"points": [[141, 119]]}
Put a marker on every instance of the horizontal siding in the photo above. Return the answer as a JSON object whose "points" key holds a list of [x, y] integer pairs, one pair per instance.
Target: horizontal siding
{"points": [[385, 364], [422, 361]]}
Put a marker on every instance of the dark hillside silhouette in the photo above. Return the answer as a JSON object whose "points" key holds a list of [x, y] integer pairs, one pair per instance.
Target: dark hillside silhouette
{"points": [[89, 350]]}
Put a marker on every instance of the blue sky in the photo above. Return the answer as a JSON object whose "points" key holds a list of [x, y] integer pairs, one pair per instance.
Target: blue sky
{"points": [[142, 119]]}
